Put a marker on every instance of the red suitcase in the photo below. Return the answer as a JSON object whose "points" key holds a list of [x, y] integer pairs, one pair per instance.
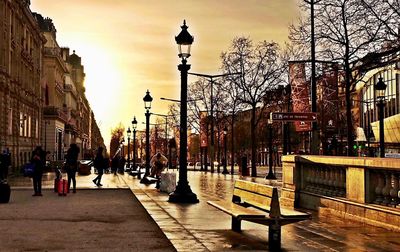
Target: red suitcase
{"points": [[62, 187]]}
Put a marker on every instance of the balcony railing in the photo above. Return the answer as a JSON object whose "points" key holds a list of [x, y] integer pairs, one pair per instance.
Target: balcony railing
{"points": [[52, 51], [52, 111]]}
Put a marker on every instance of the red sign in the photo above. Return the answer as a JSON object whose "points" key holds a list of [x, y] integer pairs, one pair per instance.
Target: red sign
{"points": [[203, 129], [294, 117], [300, 93]]}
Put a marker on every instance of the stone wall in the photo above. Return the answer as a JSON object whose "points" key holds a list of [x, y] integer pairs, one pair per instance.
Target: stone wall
{"points": [[365, 189]]}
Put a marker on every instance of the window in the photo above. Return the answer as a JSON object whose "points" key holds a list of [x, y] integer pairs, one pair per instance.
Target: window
{"points": [[21, 124], [10, 121], [29, 126], [37, 129]]}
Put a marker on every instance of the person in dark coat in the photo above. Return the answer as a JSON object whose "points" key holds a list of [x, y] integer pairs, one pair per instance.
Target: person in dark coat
{"points": [[39, 159], [114, 164], [5, 162], [99, 165], [121, 165], [71, 165]]}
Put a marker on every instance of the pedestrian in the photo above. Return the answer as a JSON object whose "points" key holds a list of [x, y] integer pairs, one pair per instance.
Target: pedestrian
{"points": [[5, 162], [99, 164], [39, 160], [157, 163], [121, 165], [71, 165], [114, 164]]}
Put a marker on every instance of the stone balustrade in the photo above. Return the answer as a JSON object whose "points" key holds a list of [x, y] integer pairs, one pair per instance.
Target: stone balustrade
{"points": [[325, 180], [362, 187]]}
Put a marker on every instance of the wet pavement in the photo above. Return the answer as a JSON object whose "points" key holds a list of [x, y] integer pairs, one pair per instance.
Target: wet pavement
{"points": [[201, 227]]}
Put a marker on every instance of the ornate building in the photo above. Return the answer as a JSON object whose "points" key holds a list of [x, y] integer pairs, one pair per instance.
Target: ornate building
{"points": [[21, 100], [384, 64], [42, 94], [54, 71], [67, 114], [79, 128]]}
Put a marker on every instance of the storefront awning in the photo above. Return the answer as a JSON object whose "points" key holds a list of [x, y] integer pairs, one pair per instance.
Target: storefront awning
{"points": [[360, 137], [391, 129]]}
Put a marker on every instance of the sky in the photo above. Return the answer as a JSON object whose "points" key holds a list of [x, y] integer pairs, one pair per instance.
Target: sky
{"points": [[128, 46]]}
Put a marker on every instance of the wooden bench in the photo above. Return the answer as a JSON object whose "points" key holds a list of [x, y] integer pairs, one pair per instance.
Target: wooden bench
{"points": [[259, 204]]}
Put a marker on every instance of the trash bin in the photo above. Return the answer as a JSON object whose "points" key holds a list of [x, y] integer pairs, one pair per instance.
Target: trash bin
{"points": [[245, 169], [5, 192], [84, 167]]}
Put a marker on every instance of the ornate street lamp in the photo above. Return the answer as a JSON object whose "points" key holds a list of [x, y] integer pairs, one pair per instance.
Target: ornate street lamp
{"points": [[147, 105], [122, 154], [128, 133], [183, 193], [134, 125], [225, 171], [380, 88]]}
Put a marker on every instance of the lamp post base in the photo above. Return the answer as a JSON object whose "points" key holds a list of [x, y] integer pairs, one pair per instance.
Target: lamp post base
{"points": [[183, 194], [270, 175]]}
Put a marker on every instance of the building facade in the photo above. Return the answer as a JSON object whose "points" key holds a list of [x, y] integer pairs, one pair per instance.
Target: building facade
{"points": [[21, 100], [42, 94], [54, 72], [67, 115], [385, 65]]}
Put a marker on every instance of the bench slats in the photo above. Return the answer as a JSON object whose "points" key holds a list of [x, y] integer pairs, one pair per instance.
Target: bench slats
{"points": [[254, 199], [254, 187], [237, 210], [290, 213]]}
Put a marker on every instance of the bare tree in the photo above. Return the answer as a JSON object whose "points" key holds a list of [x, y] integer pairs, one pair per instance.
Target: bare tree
{"points": [[344, 32], [261, 67], [200, 93], [173, 115], [117, 135], [386, 12], [232, 106]]}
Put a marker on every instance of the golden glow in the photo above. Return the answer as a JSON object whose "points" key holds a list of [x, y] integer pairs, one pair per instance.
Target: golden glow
{"points": [[128, 46]]}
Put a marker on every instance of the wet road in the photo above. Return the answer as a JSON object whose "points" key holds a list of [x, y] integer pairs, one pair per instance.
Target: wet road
{"points": [[200, 227]]}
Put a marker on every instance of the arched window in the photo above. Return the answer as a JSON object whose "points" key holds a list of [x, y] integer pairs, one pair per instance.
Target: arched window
{"points": [[368, 103]]}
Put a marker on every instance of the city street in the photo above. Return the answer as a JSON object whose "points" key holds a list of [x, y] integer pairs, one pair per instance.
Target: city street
{"points": [[300, 97], [200, 227]]}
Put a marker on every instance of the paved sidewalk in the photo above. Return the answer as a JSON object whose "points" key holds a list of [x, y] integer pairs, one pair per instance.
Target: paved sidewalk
{"points": [[90, 220], [200, 227]]}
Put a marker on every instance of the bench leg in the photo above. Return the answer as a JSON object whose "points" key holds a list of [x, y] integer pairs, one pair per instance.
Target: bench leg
{"points": [[236, 224], [274, 237]]}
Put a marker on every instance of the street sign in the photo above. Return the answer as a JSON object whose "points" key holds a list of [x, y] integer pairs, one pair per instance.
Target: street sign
{"points": [[293, 116]]}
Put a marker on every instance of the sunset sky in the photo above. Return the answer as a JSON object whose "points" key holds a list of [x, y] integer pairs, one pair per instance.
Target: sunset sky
{"points": [[128, 46]]}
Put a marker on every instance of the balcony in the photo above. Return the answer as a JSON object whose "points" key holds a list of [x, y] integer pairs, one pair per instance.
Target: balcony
{"points": [[54, 112], [52, 51]]}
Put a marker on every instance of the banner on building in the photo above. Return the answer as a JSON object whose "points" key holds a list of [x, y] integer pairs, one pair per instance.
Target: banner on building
{"points": [[300, 93], [328, 101], [203, 129]]}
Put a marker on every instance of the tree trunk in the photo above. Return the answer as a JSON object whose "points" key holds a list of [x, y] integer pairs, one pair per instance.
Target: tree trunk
{"points": [[253, 142], [347, 88], [232, 145], [348, 112]]}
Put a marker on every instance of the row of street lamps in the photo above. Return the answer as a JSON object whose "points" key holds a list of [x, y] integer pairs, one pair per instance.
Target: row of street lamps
{"points": [[183, 192]]}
